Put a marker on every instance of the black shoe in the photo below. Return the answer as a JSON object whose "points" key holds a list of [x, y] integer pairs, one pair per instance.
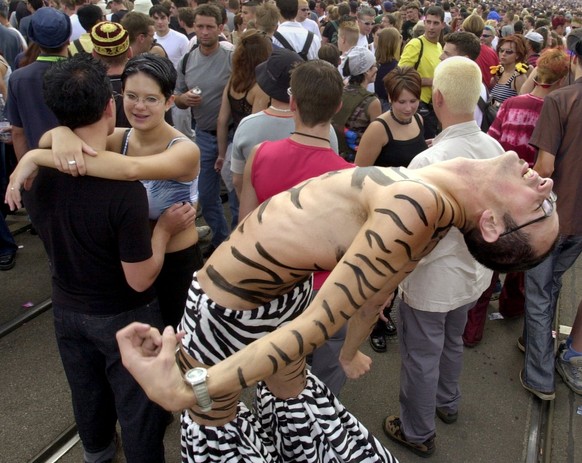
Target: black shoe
{"points": [[390, 326], [377, 340], [446, 417], [7, 262]]}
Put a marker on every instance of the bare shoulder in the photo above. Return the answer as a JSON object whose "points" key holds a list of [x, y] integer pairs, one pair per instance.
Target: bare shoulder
{"points": [[115, 140], [179, 138], [409, 201]]}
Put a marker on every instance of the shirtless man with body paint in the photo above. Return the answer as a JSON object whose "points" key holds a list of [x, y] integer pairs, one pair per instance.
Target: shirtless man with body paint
{"points": [[370, 227]]}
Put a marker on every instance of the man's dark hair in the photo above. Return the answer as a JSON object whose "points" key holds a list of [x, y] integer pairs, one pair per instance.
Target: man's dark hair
{"points": [[343, 9], [210, 10], [89, 15], [316, 77], [518, 27], [435, 11], [180, 3], [158, 68], [186, 15], [509, 253], [77, 90], [288, 8], [160, 10], [36, 4], [467, 44], [136, 23], [4, 10]]}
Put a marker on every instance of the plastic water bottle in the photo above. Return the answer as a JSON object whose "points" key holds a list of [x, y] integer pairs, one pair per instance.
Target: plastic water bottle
{"points": [[5, 136]]}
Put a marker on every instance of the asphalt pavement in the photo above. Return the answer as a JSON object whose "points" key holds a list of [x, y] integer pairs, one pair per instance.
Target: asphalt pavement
{"points": [[495, 418]]}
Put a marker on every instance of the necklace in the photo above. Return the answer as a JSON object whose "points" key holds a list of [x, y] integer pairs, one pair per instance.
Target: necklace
{"points": [[310, 136], [279, 109], [399, 121]]}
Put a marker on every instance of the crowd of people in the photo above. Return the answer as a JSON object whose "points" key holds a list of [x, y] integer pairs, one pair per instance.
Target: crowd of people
{"points": [[356, 142]]}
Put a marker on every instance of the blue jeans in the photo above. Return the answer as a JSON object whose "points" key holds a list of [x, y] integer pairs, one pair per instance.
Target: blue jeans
{"points": [[209, 187], [542, 288], [102, 389]]}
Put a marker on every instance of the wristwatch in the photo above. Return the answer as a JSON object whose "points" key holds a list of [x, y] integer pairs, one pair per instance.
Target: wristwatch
{"points": [[196, 377]]}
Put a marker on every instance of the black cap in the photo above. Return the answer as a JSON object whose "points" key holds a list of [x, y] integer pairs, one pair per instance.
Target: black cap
{"points": [[274, 75]]}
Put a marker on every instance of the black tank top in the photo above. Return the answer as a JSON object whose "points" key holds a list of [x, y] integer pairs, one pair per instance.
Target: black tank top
{"points": [[399, 153], [239, 108]]}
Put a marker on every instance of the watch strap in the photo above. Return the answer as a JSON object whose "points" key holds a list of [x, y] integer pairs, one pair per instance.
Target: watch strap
{"points": [[202, 396]]}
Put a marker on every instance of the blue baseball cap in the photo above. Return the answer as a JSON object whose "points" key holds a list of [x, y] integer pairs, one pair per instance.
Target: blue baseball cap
{"points": [[50, 28]]}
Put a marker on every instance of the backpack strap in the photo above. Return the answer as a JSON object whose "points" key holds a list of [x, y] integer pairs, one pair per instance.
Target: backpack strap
{"points": [[79, 46], [420, 54], [186, 56], [283, 41], [308, 42]]}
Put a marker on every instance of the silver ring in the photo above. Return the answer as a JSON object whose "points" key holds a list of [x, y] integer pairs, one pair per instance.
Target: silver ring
{"points": [[72, 163], [11, 188]]}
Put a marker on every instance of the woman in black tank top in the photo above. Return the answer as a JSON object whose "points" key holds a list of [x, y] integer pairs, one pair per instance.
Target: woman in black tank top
{"points": [[392, 140], [242, 95]]}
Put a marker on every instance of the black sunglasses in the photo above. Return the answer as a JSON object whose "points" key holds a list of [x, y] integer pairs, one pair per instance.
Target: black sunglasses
{"points": [[547, 206]]}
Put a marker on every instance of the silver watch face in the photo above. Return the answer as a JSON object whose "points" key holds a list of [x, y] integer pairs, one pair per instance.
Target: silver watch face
{"points": [[196, 375]]}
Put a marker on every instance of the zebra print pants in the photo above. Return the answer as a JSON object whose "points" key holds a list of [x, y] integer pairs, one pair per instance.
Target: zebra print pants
{"points": [[314, 427]]}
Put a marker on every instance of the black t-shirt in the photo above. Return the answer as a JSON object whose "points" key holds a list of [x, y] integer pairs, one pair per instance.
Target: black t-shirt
{"points": [[117, 17], [88, 226], [330, 31], [407, 30]]}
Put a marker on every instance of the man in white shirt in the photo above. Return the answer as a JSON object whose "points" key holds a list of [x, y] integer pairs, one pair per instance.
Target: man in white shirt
{"points": [[446, 283], [293, 33], [302, 18], [175, 44], [366, 17]]}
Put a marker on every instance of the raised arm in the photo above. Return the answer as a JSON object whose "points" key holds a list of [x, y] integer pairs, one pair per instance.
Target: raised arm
{"points": [[181, 161], [70, 147]]}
